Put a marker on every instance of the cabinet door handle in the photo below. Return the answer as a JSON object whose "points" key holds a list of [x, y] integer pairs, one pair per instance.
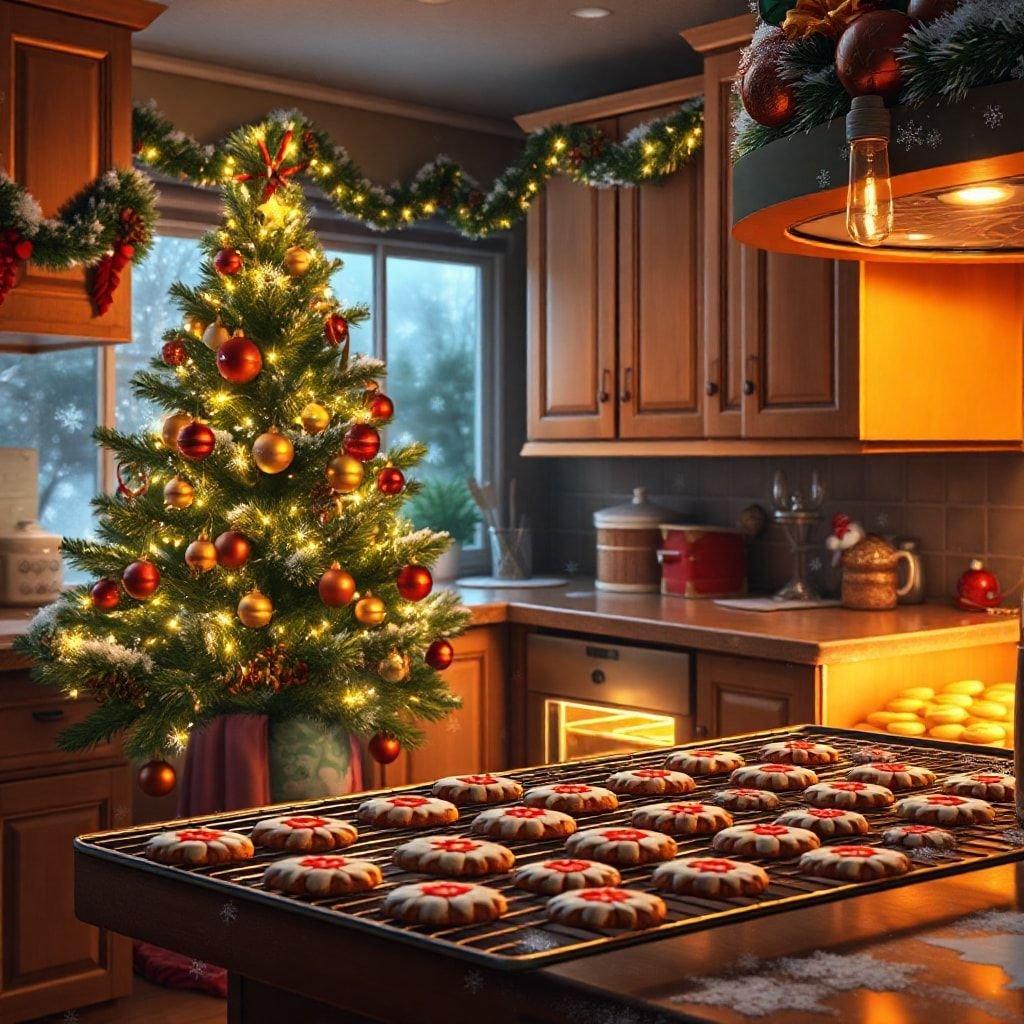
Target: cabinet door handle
{"points": [[700, 731], [749, 387], [627, 380], [50, 715], [711, 389], [750, 384], [603, 395]]}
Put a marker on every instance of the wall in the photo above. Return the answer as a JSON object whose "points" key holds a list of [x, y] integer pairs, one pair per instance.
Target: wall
{"points": [[957, 506]]}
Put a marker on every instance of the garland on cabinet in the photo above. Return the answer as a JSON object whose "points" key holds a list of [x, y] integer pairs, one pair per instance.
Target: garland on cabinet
{"points": [[809, 58]]}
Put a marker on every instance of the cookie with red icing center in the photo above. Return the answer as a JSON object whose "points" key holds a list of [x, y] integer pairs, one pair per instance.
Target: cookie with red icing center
{"points": [[322, 875], [651, 782], [523, 823], [607, 909], [848, 794], [453, 856], [945, 809], [743, 798], [915, 837], [682, 818], [407, 810], [304, 832], [984, 785], [436, 904], [572, 798], [854, 863], [712, 877], [196, 846], [477, 789], [826, 821], [893, 775], [704, 762], [799, 752], [550, 877], [760, 840], [623, 847], [778, 777]]}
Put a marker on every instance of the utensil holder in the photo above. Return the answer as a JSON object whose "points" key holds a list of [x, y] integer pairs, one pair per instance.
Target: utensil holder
{"points": [[511, 553]]}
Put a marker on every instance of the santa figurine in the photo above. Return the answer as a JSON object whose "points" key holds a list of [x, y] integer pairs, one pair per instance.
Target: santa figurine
{"points": [[845, 535]]}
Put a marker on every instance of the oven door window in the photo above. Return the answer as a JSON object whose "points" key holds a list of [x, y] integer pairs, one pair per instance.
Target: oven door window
{"points": [[575, 730]]}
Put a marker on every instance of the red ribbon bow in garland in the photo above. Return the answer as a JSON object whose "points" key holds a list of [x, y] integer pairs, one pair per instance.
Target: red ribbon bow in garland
{"points": [[15, 249], [106, 275], [276, 173]]}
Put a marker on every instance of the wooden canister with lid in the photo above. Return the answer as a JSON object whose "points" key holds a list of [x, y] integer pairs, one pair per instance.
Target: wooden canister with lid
{"points": [[628, 537]]}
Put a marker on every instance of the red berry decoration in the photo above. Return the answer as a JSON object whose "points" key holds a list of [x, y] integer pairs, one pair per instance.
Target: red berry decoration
{"points": [[390, 480], [866, 54], [233, 549], [440, 654], [156, 778], [383, 748], [414, 582], [336, 587], [228, 261], [239, 360], [361, 441], [196, 441], [173, 353], [381, 407], [141, 579], [336, 329], [105, 595]]}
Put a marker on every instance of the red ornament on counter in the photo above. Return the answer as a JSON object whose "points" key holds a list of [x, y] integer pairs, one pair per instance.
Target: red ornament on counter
{"points": [[866, 54], [977, 590], [239, 360], [157, 778], [383, 748], [105, 595], [233, 549], [173, 353], [228, 261], [141, 579], [390, 481], [440, 654], [336, 330], [414, 582], [361, 441], [381, 407], [196, 441]]}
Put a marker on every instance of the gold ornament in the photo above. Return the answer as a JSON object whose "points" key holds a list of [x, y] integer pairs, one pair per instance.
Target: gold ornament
{"points": [[828, 18], [255, 610], [394, 668], [171, 427], [273, 452], [314, 418], [179, 493], [201, 555], [344, 474], [370, 610], [215, 335], [296, 261]]}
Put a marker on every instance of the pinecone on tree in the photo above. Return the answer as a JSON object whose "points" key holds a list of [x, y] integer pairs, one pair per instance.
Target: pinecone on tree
{"points": [[115, 686], [272, 669]]}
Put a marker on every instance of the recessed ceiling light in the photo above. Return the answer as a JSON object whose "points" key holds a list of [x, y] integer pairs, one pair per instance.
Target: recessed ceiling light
{"points": [[979, 195], [591, 12]]}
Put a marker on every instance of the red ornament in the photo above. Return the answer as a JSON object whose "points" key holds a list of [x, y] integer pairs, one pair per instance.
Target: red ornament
{"points": [[866, 54], [132, 482], [105, 595], [767, 97], [414, 582], [930, 10], [390, 480], [196, 441], [156, 778], [233, 549], [361, 441], [239, 360], [141, 579], [336, 587], [381, 407], [440, 654], [15, 250], [336, 330], [228, 261], [383, 748], [173, 353], [978, 589]]}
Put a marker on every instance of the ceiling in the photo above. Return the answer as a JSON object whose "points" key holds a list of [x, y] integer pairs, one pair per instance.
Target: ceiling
{"points": [[495, 58]]}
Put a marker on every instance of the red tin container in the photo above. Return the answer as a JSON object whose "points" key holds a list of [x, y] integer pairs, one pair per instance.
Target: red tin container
{"points": [[702, 561]]}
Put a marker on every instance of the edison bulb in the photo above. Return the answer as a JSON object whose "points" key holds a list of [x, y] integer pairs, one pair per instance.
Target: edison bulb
{"points": [[870, 217]]}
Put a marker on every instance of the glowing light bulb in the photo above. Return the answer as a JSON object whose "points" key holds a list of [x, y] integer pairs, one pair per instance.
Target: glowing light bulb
{"points": [[992, 194], [870, 217]]}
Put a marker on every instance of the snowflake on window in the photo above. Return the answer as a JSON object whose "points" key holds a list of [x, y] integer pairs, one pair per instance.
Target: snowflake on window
{"points": [[70, 417], [933, 139], [993, 116], [473, 982], [229, 912], [197, 969], [824, 178], [909, 135], [437, 403]]}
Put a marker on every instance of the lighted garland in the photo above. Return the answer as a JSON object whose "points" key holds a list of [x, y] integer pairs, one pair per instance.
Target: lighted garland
{"points": [[442, 188]]}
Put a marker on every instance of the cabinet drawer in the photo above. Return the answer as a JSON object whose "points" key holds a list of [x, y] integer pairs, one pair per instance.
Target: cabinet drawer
{"points": [[28, 730]]}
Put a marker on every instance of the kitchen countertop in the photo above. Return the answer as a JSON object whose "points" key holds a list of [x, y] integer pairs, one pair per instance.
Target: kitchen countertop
{"points": [[812, 637]]}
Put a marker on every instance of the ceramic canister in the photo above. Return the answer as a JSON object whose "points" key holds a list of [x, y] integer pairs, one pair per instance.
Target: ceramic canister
{"points": [[628, 537]]}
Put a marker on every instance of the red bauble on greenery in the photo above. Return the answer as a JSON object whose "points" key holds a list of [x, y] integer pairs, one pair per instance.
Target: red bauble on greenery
{"points": [[440, 654], [233, 549], [141, 579], [381, 407], [336, 587], [361, 441], [929, 10], [336, 329], [767, 97], [239, 360], [383, 748], [228, 261], [866, 54], [105, 595], [414, 582], [156, 778], [390, 480], [173, 353], [196, 441]]}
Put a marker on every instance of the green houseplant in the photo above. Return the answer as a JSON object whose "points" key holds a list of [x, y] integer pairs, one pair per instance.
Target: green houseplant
{"points": [[446, 506]]}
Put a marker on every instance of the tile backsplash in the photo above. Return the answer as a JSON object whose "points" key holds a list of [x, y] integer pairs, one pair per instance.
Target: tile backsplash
{"points": [[957, 507]]}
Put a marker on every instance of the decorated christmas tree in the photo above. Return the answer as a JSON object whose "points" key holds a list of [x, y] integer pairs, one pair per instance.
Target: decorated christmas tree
{"points": [[255, 558]]}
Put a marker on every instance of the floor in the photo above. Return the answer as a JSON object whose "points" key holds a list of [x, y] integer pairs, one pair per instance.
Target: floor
{"points": [[149, 1004]]}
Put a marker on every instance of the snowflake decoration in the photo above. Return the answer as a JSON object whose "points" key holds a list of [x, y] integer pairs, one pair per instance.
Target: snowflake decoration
{"points": [[229, 912], [572, 567], [473, 982], [70, 1017], [437, 403], [452, 725], [882, 520], [197, 969], [535, 941], [680, 481], [815, 564], [824, 178], [844, 152], [909, 135], [993, 116], [70, 417], [933, 139]]}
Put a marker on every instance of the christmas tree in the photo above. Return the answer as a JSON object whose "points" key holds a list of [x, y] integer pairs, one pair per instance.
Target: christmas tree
{"points": [[255, 558]]}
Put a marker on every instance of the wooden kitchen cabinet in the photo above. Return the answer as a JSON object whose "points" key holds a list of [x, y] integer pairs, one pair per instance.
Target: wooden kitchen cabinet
{"points": [[740, 695]]}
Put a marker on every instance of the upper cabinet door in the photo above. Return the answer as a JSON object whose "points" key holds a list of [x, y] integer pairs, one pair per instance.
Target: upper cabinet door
{"points": [[800, 347], [661, 357], [571, 295]]}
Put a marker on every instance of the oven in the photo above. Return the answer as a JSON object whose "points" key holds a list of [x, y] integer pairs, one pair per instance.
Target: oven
{"points": [[590, 698]]}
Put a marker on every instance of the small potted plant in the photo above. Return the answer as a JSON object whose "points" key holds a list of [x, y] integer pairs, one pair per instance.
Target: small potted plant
{"points": [[447, 507]]}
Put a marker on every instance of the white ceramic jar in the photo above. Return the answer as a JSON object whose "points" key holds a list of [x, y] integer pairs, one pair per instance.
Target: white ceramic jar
{"points": [[31, 574]]}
